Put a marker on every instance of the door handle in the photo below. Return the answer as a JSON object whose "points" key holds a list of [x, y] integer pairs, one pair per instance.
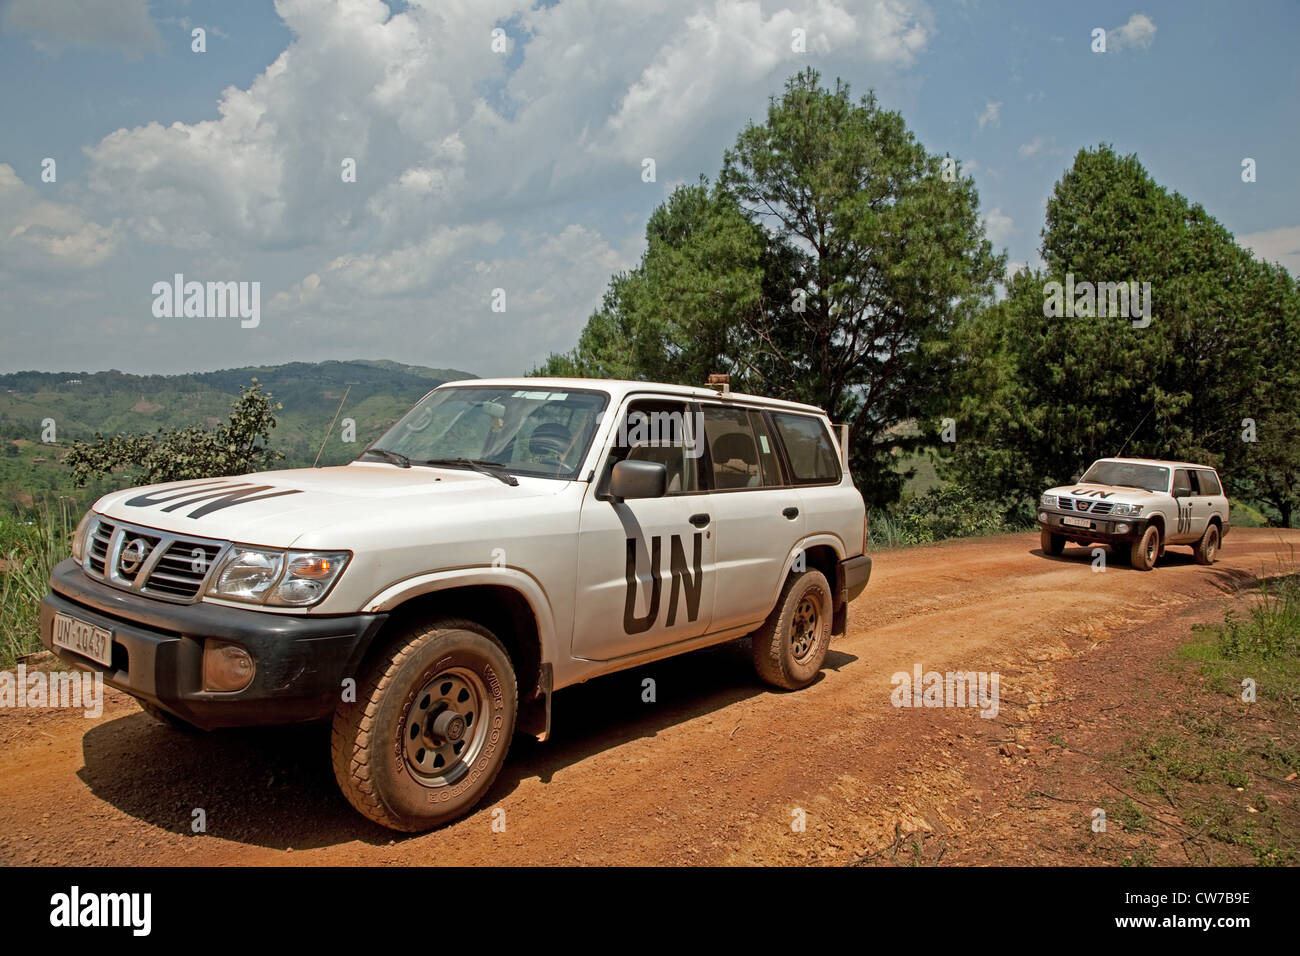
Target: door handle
{"points": [[700, 520], [791, 513]]}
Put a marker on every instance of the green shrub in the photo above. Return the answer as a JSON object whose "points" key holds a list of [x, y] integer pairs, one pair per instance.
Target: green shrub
{"points": [[1271, 629]]}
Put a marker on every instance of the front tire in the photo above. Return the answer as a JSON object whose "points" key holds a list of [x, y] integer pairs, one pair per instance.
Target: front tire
{"points": [[1146, 549], [1052, 544], [430, 728], [1208, 547], [790, 647]]}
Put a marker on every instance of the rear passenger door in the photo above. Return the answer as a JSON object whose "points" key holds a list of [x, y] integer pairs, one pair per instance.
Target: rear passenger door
{"points": [[757, 515], [1212, 488], [1205, 492], [826, 491]]}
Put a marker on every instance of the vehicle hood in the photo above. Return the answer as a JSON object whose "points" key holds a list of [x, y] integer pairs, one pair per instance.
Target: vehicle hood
{"points": [[1111, 493], [275, 508]]}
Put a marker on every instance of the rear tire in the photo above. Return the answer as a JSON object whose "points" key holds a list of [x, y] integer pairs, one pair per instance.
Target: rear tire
{"points": [[1207, 549], [1146, 549], [430, 727], [1052, 544], [790, 647]]}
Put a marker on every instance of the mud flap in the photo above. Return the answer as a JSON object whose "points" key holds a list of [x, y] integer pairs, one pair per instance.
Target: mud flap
{"points": [[535, 715]]}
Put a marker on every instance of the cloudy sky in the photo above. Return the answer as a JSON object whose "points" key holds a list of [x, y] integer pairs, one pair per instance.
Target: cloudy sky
{"points": [[517, 164]]}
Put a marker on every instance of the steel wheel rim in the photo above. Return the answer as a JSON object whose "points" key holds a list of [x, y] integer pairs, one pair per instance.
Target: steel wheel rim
{"points": [[1211, 543], [804, 627], [1151, 549], [445, 727]]}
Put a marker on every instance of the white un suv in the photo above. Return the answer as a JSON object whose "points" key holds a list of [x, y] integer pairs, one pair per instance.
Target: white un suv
{"points": [[504, 539], [1139, 506]]}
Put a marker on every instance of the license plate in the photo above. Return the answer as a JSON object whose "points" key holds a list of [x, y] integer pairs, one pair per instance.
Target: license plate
{"points": [[1077, 522], [84, 639]]}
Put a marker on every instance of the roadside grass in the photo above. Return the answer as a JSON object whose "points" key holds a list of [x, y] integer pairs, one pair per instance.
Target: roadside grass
{"points": [[940, 515], [1226, 766], [31, 543]]}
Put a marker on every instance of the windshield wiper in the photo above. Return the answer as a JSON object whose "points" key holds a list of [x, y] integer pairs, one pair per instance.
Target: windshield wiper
{"points": [[492, 468], [397, 458]]}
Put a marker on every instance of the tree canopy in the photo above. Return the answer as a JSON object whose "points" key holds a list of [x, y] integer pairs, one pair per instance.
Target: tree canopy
{"points": [[828, 263], [1043, 394]]}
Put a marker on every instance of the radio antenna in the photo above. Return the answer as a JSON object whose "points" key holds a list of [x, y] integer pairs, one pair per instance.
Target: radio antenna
{"points": [[1135, 431], [337, 412]]}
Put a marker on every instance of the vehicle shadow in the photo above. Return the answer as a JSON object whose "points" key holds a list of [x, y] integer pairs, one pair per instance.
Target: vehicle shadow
{"points": [[1227, 580], [273, 786], [1116, 557], [1078, 554]]}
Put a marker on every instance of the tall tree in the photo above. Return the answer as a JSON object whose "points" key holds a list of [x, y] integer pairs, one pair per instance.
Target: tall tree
{"points": [[680, 313], [828, 265], [1049, 382]]}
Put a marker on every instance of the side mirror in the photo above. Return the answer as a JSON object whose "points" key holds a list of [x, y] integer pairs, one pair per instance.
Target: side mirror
{"points": [[638, 479], [1075, 479], [1182, 492]]}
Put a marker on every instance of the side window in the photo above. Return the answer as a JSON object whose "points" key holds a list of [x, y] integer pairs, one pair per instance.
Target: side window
{"points": [[1182, 483], [809, 447], [737, 453], [1209, 482], [652, 430]]}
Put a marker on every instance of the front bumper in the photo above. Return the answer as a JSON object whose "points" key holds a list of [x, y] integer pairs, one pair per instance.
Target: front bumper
{"points": [[1102, 529], [301, 660]]}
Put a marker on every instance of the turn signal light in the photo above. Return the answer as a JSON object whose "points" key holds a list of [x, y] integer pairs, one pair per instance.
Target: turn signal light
{"points": [[313, 567]]}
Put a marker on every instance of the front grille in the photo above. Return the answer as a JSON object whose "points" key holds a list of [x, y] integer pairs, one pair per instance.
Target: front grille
{"points": [[97, 552], [1085, 506], [182, 569], [156, 563]]}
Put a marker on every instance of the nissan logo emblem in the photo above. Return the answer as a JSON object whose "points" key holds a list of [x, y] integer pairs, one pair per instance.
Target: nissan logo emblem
{"points": [[133, 555]]}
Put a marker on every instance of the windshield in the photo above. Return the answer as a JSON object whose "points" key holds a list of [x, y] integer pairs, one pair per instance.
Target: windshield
{"points": [[1128, 475], [540, 432]]}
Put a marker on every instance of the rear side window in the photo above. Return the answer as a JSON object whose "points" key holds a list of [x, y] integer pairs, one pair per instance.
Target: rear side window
{"points": [[1209, 482], [809, 447], [740, 449]]}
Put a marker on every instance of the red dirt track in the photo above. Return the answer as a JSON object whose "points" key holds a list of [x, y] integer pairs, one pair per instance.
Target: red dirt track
{"points": [[715, 770]]}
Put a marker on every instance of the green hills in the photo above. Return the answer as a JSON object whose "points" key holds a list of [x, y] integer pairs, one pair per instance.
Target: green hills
{"points": [[82, 403]]}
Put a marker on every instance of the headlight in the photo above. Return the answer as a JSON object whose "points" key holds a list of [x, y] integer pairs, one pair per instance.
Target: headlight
{"points": [[1048, 501], [278, 578], [79, 536], [1131, 510], [248, 574]]}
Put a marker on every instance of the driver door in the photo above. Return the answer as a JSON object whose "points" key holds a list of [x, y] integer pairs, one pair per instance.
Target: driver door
{"points": [[1191, 518], [646, 567]]}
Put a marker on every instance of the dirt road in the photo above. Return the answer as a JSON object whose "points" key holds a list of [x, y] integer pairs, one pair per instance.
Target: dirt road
{"points": [[716, 770]]}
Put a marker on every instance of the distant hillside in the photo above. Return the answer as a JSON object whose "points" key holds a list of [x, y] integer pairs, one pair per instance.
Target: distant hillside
{"points": [[82, 403]]}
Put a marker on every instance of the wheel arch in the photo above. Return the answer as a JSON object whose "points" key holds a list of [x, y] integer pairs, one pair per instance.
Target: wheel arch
{"points": [[821, 552], [508, 603]]}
